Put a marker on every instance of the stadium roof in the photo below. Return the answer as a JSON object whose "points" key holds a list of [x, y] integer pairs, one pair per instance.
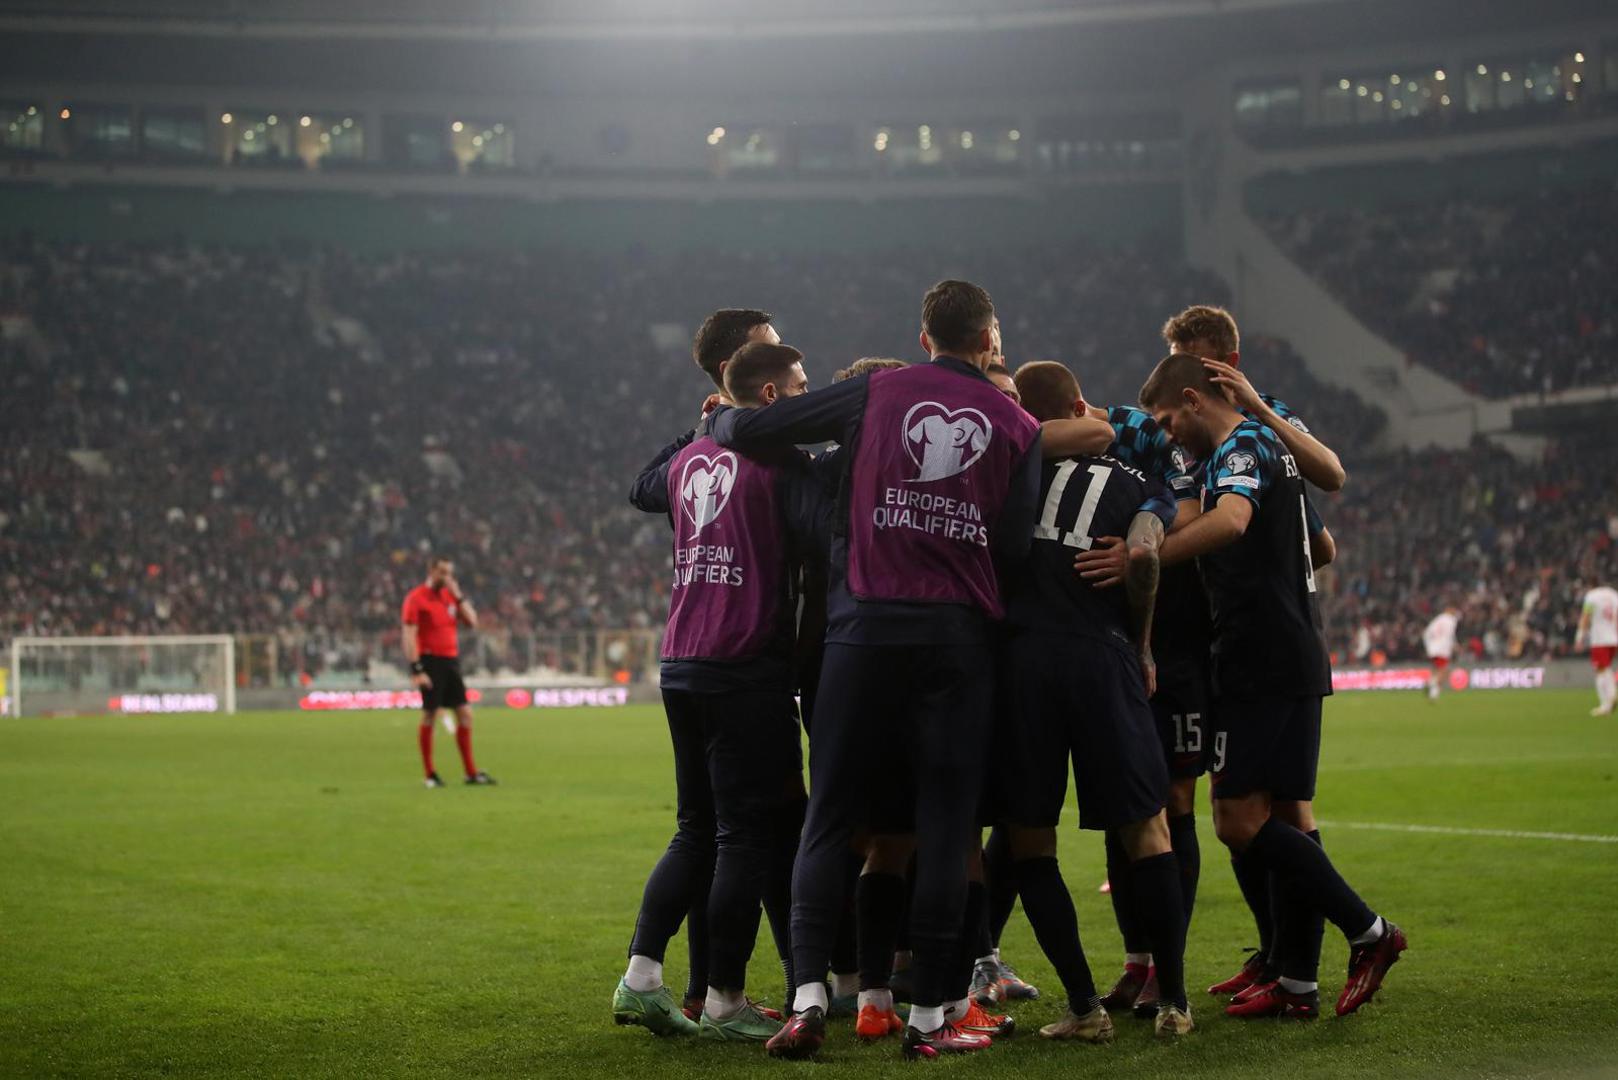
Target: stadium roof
{"points": [[595, 46], [541, 20]]}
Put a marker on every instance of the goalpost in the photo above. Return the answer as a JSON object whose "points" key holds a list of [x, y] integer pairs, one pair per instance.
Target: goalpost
{"points": [[187, 673]]}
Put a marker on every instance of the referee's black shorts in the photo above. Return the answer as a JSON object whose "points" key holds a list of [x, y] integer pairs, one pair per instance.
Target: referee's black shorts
{"points": [[448, 689]]}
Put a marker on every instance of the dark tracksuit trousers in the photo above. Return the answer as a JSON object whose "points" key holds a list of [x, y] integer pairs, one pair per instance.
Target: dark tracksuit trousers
{"points": [[895, 714], [738, 765]]}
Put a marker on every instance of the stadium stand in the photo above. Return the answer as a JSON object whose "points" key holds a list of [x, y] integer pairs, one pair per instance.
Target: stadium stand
{"points": [[1508, 542], [1506, 295], [276, 437]]}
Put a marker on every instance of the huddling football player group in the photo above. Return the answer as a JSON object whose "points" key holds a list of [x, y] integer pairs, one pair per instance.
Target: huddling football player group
{"points": [[963, 581]]}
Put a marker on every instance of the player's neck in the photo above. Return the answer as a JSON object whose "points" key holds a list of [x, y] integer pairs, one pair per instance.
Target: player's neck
{"points": [[1223, 422], [981, 361]]}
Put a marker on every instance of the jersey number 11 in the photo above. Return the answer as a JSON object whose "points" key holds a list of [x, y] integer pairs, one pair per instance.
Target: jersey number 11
{"points": [[1079, 535]]}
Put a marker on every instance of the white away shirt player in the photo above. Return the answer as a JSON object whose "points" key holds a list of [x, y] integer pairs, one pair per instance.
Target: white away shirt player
{"points": [[1602, 604], [1439, 637]]}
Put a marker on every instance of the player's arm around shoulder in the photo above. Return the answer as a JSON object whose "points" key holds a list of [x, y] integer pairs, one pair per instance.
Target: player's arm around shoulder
{"points": [[650, 491], [819, 416], [1318, 463], [1075, 437]]}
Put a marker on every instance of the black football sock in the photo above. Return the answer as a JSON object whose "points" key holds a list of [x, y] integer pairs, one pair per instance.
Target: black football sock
{"points": [[778, 888], [879, 900], [974, 934], [1305, 867], [696, 943], [1049, 907], [845, 957], [1161, 907], [902, 940], [1299, 930], [1122, 894], [1001, 873], [1187, 852], [1253, 878]]}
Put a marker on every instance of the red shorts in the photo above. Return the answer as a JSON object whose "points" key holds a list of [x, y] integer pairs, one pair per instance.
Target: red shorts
{"points": [[1601, 656], [1439, 662]]}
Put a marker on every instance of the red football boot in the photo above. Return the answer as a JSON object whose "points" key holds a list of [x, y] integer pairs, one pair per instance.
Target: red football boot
{"points": [[802, 1035], [946, 1040], [1368, 965], [1269, 999], [1251, 972]]}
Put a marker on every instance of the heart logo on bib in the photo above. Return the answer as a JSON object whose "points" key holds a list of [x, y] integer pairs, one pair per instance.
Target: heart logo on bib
{"points": [[705, 485], [944, 442]]}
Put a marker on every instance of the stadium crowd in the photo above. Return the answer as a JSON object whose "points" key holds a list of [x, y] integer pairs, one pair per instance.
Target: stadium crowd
{"points": [[1506, 296], [279, 437], [1512, 545]]}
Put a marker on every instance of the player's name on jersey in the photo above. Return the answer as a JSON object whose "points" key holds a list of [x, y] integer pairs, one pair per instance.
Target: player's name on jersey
{"points": [[956, 519], [709, 564]]}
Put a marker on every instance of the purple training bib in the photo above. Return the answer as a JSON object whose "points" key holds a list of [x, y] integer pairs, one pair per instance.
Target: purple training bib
{"points": [[729, 555], [931, 472]]}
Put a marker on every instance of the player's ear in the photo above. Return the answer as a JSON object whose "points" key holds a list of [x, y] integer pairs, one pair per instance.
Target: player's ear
{"points": [[926, 343], [768, 393], [1234, 359]]}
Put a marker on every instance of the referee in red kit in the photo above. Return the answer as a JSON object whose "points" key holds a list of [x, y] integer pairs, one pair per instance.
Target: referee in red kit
{"points": [[431, 613]]}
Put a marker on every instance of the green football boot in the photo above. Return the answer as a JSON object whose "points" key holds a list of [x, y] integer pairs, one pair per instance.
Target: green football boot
{"points": [[748, 1025], [654, 1010]]}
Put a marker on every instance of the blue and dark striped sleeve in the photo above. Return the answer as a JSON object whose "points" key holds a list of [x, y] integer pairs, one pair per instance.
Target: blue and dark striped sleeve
{"points": [[1284, 411], [1245, 464]]}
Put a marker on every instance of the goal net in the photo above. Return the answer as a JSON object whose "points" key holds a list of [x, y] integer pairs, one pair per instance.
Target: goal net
{"points": [[69, 675]]}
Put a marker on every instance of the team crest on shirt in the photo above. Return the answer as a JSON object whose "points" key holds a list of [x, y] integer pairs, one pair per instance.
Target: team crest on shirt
{"points": [[1240, 461], [705, 486], [1182, 460], [944, 442]]}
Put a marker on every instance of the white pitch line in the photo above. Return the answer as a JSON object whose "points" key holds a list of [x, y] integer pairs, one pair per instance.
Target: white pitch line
{"points": [[1450, 830]]}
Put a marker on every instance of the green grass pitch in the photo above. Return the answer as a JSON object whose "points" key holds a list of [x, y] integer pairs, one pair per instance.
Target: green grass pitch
{"points": [[276, 895]]}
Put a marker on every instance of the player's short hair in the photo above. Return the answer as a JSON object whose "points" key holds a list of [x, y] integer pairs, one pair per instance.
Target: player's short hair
{"points": [[721, 334], [434, 560], [756, 364], [999, 369], [954, 312], [1048, 389], [1174, 374], [1203, 322], [865, 365]]}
